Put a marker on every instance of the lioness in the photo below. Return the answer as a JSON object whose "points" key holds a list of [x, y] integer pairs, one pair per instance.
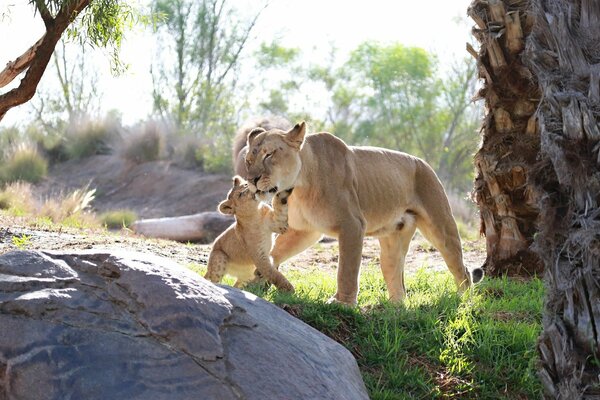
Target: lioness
{"points": [[349, 192], [248, 241]]}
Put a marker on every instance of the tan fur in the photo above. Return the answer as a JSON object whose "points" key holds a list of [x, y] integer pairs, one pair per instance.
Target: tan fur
{"points": [[246, 245], [349, 192]]}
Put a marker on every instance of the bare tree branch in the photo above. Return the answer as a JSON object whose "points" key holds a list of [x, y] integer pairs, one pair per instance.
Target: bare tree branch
{"points": [[21, 63]]}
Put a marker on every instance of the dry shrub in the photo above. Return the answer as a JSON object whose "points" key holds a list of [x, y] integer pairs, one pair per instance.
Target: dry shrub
{"points": [[87, 138], [70, 210], [24, 163], [17, 198], [146, 143]]}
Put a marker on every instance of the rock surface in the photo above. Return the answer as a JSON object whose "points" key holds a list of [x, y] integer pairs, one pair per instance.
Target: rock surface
{"points": [[93, 325]]}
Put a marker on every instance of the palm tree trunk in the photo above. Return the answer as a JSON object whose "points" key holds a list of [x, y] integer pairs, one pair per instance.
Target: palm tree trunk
{"points": [[510, 137], [563, 52]]}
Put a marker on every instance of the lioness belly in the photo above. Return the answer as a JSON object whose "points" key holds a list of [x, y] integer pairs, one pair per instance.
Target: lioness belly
{"points": [[321, 219]]}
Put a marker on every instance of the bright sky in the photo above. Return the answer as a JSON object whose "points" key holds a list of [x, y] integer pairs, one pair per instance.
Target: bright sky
{"points": [[312, 25]]}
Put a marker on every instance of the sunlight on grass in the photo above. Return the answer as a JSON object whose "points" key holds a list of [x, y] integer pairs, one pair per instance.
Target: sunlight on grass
{"points": [[437, 344]]}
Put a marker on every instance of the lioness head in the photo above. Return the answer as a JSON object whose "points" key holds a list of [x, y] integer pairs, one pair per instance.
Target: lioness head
{"points": [[273, 158], [240, 198]]}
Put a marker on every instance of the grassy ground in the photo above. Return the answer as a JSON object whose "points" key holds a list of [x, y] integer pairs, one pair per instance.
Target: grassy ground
{"points": [[437, 344]]}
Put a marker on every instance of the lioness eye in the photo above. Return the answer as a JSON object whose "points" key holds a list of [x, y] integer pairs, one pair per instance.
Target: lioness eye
{"points": [[269, 155]]}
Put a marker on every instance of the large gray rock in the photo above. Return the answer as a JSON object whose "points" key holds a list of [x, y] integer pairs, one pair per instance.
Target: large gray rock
{"points": [[132, 326]]}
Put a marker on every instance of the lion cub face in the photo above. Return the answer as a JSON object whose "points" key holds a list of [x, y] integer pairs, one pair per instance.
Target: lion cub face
{"points": [[273, 159], [240, 199]]}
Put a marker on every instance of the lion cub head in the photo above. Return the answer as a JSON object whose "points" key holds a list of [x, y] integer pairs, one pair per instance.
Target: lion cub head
{"points": [[241, 199], [273, 158]]}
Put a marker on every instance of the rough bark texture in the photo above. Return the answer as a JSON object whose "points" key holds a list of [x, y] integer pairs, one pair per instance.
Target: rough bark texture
{"points": [[564, 54], [510, 138], [130, 326]]}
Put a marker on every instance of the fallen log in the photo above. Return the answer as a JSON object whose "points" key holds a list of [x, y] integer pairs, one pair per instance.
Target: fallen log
{"points": [[203, 227]]}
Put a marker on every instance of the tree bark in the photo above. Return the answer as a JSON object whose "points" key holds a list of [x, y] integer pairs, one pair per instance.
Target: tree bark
{"points": [[35, 60], [510, 137], [564, 55]]}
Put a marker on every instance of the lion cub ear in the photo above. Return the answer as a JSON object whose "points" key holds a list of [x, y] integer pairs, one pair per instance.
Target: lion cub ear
{"points": [[295, 136], [237, 180], [225, 207], [253, 133]]}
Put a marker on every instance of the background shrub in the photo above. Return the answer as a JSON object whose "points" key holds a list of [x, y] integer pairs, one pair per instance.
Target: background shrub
{"points": [[118, 219], [17, 198], [146, 143], [24, 163], [88, 138]]}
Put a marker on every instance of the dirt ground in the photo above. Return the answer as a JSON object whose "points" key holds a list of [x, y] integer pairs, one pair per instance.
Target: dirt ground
{"points": [[15, 234]]}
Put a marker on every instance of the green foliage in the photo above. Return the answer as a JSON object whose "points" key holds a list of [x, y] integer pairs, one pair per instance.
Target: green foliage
{"points": [[194, 80], [104, 23], [21, 242], [25, 163], [393, 96], [437, 344], [117, 219], [272, 54]]}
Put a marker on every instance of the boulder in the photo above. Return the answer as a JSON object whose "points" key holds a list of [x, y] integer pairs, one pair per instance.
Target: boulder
{"points": [[100, 325]]}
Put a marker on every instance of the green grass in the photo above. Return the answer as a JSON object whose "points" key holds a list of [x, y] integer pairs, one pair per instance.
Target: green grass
{"points": [[437, 344]]}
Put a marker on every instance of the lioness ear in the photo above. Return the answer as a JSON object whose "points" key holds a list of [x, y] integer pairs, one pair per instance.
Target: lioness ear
{"points": [[225, 207], [295, 136], [253, 134]]}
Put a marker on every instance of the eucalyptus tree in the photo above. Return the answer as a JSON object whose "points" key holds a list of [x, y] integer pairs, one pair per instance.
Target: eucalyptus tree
{"points": [[94, 22], [195, 70]]}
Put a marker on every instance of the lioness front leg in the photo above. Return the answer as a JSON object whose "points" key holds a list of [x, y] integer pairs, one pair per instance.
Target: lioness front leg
{"points": [[291, 243], [351, 241]]}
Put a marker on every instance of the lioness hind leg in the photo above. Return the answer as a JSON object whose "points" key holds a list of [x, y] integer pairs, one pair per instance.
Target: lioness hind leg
{"points": [[217, 266], [393, 254]]}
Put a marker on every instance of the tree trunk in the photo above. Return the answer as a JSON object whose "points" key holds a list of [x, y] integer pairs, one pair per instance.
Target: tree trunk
{"points": [[510, 137], [563, 52]]}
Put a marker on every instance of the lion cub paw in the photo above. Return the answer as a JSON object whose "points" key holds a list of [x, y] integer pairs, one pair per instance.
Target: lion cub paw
{"points": [[283, 195]]}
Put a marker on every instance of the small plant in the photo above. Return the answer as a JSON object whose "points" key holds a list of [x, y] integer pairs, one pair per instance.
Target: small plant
{"points": [[24, 163], [118, 219], [21, 242]]}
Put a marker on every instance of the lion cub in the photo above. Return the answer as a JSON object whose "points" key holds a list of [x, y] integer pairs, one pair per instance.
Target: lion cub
{"points": [[247, 243]]}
